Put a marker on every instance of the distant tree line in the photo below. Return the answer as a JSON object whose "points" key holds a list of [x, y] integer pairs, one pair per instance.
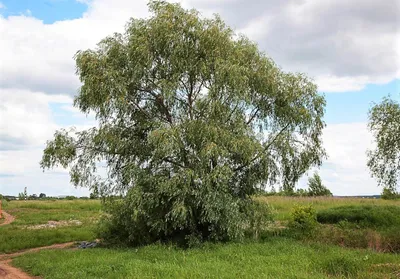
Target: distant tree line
{"points": [[43, 196], [315, 189]]}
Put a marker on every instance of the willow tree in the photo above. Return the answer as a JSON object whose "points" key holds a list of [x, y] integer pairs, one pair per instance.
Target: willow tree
{"points": [[192, 120], [384, 160]]}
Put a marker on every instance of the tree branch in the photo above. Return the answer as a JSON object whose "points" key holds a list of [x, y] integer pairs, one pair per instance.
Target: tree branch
{"points": [[265, 148], [166, 159], [159, 102], [253, 116]]}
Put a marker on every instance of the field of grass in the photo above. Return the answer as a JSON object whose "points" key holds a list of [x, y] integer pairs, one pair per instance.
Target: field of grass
{"points": [[282, 206], [380, 217], [18, 235], [273, 257]]}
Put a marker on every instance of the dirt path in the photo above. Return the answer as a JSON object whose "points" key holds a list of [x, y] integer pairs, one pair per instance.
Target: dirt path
{"points": [[54, 246], [9, 272], [7, 219]]}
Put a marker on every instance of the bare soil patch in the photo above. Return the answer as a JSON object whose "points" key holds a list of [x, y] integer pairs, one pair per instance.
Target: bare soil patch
{"points": [[7, 219], [54, 246], [55, 224], [9, 272]]}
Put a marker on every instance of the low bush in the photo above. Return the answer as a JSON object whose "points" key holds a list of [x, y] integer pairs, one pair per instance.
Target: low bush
{"points": [[4, 203], [303, 220], [367, 216]]}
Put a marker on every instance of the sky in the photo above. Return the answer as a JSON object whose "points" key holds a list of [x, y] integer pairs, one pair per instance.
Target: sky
{"points": [[350, 48]]}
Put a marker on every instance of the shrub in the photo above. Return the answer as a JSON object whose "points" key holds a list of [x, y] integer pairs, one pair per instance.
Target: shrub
{"points": [[4, 203], [303, 219]]}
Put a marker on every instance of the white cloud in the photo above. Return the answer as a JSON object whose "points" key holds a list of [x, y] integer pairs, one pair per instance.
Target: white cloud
{"points": [[333, 41], [38, 56], [25, 118], [345, 172], [26, 123], [330, 83]]}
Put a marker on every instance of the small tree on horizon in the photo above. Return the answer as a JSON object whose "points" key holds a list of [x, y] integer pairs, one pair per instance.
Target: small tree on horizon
{"points": [[388, 194], [316, 188], [21, 196], [191, 120]]}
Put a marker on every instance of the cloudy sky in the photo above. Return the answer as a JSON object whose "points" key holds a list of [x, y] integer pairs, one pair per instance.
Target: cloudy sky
{"points": [[350, 48]]}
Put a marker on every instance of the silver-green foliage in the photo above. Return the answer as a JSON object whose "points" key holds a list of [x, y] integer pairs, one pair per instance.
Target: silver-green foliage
{"points": [[384, 160], [316, 188], [191, 120]]}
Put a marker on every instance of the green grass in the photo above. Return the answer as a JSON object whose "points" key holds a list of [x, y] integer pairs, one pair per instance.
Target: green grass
{"points": [[87, 205], [13, 239], [17, 235], [276, 258], [283, 205], [369, 216]]}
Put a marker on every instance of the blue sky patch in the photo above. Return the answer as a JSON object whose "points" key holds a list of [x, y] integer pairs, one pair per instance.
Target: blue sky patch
{"points": [[48, 11], [346, 107]]}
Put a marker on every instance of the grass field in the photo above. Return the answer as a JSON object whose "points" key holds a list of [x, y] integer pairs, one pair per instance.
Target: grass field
{"points": [[283, 205], [274, 257], [19, 234]]}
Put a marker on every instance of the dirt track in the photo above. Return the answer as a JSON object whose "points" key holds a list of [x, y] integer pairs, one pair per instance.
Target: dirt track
{"points": [[9, 272], [7, 220]]}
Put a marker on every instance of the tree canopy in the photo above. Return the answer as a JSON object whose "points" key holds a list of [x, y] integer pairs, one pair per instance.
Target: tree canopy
{"points": [[384, 159], [192, 119]]}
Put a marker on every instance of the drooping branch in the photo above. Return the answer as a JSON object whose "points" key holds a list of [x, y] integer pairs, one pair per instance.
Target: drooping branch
{"points": [[253, 115], [264, 149]]}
